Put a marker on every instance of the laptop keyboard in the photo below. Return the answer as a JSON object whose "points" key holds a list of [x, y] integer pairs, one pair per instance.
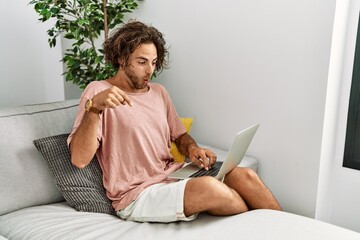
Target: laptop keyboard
{"points": [[213, 171]]}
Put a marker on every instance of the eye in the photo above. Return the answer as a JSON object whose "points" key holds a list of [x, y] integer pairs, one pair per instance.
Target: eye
{"points": [[142, 62]]}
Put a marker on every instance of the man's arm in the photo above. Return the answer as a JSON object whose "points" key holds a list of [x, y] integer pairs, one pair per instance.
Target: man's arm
{"points": [[84, 141], [202, 157]]}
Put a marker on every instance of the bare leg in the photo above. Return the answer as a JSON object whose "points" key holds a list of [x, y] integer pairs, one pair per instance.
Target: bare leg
{"points": [[241, 191], [250, 187], [207, 194]]}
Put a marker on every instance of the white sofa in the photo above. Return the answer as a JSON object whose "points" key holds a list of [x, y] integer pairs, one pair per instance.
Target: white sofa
{"points": [[32, 207]]}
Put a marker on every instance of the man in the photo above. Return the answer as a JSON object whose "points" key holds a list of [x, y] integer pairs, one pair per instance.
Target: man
{"points": [[129, 124]]}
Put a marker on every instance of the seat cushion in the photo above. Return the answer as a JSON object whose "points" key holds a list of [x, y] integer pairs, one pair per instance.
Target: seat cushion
{"points": [[59, 221]]}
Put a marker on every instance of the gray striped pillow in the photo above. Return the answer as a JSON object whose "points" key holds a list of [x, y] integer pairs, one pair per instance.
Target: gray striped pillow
{"points": [[82, 188]]}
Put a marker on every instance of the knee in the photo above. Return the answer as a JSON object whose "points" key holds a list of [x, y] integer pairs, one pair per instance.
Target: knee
{"points": [[211, 195], [245, 175], [249, 174], [213, 188], [209, 183], [221, 191], [223, 198]]}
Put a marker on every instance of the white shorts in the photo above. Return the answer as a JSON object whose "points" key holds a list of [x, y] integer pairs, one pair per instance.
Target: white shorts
{"points": [[162, 202]]}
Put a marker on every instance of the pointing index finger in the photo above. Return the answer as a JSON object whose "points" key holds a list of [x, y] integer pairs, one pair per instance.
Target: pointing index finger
{"points": [[126, 100]]}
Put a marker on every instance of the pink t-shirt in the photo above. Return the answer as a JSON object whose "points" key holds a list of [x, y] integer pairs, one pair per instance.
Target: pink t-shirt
{"points": [[134, 142]]}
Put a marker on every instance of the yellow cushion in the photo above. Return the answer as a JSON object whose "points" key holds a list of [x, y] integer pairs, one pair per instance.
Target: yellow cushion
{"points": [[179, 157]]}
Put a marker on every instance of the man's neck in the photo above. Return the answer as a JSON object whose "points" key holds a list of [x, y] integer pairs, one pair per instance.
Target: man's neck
{"points": [[121, 81]]}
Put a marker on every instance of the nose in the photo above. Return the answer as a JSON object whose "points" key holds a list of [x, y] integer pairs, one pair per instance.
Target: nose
{"points": [[150, 69]]}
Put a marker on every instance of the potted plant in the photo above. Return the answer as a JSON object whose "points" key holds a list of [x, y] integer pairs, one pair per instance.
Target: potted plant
{"points": [[83, 21]]}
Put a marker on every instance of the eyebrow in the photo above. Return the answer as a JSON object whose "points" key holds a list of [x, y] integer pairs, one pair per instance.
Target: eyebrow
{"points": [[143, 58]]}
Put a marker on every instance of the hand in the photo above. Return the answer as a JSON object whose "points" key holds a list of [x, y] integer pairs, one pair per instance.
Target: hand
{"points": [[202, 157], [111, 98]]}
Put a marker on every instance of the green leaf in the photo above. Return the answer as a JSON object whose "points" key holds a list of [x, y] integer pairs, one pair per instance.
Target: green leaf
{"points": [[52, 42], [69, 36], [54, 10], [82, 21]]}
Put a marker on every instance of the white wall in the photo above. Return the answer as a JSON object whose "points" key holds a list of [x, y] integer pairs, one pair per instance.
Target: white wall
{"points": [[30, 70], [236, 63], [338, 195]]}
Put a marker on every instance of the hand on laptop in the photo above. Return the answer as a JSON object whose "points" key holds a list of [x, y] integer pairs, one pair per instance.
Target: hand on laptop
{"points": [[202, 157]]}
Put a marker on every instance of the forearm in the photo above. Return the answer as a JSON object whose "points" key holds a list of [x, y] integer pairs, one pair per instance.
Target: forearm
{"points": [[84, 143], [185, 143], [200, 156]]}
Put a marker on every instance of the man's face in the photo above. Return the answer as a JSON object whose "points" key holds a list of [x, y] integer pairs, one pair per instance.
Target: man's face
{"points": [[141, 66]]}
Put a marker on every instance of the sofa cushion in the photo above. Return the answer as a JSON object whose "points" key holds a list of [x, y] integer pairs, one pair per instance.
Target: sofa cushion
{"points": [[82, 188], [59, 221], [25, 179]]}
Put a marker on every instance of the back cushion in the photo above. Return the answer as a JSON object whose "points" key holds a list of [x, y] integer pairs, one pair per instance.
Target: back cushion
{"points": [[25, 179]]}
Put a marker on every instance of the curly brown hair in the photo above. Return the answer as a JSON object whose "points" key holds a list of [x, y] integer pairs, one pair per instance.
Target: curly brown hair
{"points": [[126, 39]]}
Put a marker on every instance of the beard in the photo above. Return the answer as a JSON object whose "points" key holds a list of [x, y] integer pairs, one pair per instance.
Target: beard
{"points": [[135, 81]]}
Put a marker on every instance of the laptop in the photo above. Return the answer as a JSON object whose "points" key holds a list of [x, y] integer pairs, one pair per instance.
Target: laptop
{"points": [[233, 158]]}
